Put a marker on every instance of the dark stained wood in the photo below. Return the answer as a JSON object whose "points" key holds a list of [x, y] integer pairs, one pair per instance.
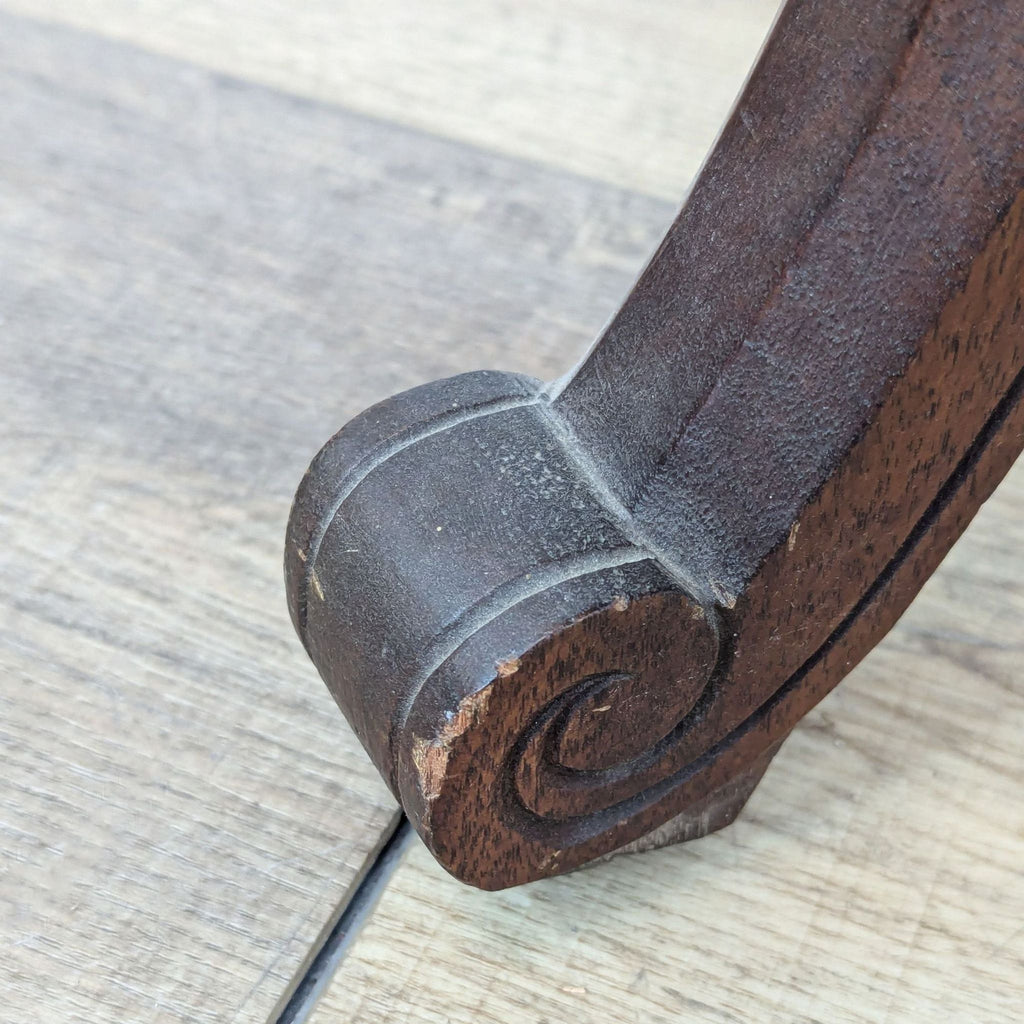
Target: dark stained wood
{"points": [[558, 617]]}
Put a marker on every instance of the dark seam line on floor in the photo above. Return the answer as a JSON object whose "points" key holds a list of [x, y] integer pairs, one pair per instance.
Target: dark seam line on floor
{"points": [[321, 970]]}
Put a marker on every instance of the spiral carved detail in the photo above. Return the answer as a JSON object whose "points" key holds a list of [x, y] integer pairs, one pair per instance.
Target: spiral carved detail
{"points": [[604, 738], [566, 749]]}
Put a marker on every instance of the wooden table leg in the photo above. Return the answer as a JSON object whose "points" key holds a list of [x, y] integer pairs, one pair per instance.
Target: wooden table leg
{"points": [[559, 617]]}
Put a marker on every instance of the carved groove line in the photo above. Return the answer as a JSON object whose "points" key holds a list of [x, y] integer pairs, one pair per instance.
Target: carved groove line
{"points": [[698, 589], [827, 200], [498, 602], [373, 461]]}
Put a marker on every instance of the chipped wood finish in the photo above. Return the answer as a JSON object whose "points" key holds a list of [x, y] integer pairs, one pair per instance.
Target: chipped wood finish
{"points": [[560, 616]]}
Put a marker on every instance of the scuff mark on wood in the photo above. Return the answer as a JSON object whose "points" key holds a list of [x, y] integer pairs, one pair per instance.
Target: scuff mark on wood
{"points": [[431, 761], [724, 598]]}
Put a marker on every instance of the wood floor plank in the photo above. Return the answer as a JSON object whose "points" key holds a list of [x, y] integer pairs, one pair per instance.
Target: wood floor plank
{"points": [[876, 875], [632, 93], [202, 279]]}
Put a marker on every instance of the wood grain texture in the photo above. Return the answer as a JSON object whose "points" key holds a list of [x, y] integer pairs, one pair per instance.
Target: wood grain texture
{"points": [[875, 876], [630, 93], [191, 297]]}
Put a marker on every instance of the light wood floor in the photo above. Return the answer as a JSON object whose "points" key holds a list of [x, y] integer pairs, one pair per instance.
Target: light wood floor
{"points": [[226, 228]]}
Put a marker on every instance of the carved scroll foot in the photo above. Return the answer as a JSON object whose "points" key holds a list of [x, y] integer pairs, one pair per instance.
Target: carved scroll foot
{"points": [[563, 620], [537, 687]]}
